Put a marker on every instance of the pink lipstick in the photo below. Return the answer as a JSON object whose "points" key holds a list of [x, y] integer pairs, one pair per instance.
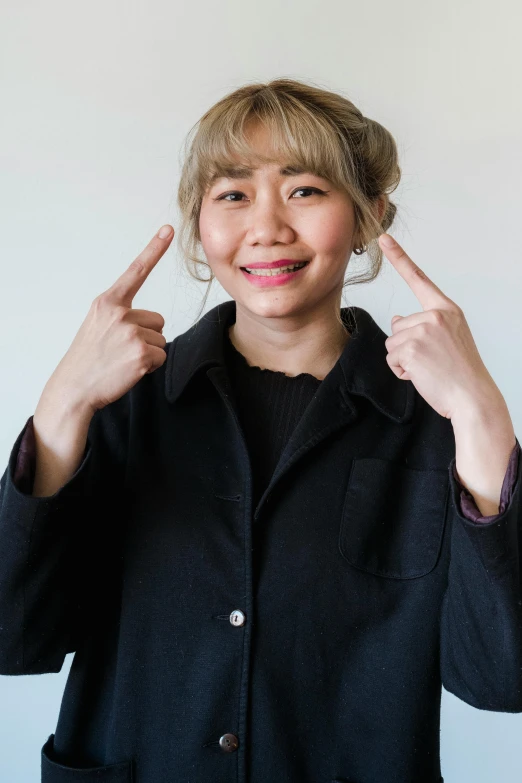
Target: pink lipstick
{"points": [[273, 277]]}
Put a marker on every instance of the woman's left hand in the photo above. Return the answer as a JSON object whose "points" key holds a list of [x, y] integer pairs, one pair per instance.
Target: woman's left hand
{"points": [[435, 348]]}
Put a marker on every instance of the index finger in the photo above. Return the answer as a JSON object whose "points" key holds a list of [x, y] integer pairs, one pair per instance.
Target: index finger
{"points": [[125, 288], [429, 295]]}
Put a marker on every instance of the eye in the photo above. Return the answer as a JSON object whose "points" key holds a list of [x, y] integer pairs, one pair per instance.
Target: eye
{"points": [[315, 190], [225, 196]]}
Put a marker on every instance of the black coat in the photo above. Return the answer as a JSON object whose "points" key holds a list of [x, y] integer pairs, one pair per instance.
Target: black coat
{"points": [[301, 641]]}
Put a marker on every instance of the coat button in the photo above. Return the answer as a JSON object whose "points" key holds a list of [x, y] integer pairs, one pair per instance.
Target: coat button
{"points": [[237, 617], [229, 742]]}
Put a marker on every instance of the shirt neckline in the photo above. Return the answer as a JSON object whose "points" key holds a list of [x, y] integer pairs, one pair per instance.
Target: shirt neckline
{"points": [[239, 357]]}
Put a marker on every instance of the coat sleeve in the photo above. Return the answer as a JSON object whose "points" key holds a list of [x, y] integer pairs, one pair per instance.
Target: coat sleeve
{"points": [[57, 551], [467, 502], [481, 617]]}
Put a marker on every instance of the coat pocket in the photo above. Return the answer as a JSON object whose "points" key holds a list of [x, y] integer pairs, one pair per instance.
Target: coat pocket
{"points": [[54, 772], [393, 518]]}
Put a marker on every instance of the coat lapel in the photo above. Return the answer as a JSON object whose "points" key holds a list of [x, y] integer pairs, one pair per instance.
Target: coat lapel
{"points": [[361, 370]]}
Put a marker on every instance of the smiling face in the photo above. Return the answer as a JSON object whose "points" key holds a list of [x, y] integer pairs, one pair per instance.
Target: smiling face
{"points": [[275, 214]]}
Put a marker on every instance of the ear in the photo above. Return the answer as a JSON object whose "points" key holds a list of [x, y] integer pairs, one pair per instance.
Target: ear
{"points": [[380, 206]]}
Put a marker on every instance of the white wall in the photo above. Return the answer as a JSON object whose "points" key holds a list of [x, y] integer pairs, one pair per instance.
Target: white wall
{"points": [[96, 100]]}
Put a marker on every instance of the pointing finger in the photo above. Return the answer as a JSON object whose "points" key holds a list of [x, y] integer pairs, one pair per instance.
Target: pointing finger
{"points": [[429, 295], [125, 288]]}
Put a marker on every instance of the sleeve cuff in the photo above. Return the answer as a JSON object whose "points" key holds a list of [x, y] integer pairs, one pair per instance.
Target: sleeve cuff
{"points": [[468, 506], [25, 467]]}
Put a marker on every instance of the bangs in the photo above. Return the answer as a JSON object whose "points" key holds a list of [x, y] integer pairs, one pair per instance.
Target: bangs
{"points": [[300, 140]]}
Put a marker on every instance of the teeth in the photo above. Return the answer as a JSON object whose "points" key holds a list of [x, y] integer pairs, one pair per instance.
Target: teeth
{"points": [[278, 271]]}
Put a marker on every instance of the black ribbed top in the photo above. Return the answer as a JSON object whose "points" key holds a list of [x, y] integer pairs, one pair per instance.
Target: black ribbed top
{"points": [[269, 405]]}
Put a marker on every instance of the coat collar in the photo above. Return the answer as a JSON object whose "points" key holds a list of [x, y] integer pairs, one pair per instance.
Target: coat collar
{"points": [[363, 367]]}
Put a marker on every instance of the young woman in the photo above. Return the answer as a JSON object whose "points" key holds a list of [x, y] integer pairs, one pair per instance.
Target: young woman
{"points": [[270, 541]]}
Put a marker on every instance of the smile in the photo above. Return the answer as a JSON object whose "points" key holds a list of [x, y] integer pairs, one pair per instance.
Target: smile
{"points": [[278, 271], [276, 276]]}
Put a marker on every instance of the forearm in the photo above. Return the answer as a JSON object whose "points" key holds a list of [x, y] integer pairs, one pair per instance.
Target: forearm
{"points": [[60, 426], [484, 440]]}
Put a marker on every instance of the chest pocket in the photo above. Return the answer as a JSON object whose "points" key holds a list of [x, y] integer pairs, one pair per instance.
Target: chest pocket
{"points": [[393, 518]]}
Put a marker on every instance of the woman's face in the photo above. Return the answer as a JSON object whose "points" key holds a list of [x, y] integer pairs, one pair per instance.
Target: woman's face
{"points": [[271, 216]]}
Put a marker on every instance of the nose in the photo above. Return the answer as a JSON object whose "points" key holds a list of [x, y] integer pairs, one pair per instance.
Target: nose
{"points": [[269, 223]]}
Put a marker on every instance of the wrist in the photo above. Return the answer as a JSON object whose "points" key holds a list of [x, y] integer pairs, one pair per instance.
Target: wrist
{"points": [[61, 404], [484, 430], [481, 412]]}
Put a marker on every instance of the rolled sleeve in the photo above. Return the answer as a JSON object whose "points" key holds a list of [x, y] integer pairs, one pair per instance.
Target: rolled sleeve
{"points": [[25, 465], [468, 507]]}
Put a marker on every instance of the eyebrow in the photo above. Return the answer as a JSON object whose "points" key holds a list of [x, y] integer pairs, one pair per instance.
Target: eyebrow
{"points": [[245, 172]]}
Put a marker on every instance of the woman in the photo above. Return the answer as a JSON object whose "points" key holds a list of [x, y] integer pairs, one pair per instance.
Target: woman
{"points": [[254, 538]]}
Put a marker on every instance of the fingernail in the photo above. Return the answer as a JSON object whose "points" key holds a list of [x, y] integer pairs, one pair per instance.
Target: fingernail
{"points": [[387, 240], [164, 232]]}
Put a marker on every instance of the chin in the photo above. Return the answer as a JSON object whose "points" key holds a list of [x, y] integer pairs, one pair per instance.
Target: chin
{"points": [[272, 305]]}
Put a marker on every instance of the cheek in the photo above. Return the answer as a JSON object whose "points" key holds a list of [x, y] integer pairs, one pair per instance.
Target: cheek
{"points": [[217, 240], [331, 235]]}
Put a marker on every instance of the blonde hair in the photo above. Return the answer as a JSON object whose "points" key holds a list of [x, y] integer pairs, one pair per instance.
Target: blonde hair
{"points": [[321, 131]]}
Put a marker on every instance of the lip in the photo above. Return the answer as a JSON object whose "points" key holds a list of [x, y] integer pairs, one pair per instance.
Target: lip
{"points": [[274, 264], [264, 281]]}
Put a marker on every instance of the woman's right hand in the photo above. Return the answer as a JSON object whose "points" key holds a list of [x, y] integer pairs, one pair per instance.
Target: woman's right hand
{"points": [[115, 345]]}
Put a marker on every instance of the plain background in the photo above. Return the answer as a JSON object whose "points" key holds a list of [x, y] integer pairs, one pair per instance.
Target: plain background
{"points": [[96, 101]]}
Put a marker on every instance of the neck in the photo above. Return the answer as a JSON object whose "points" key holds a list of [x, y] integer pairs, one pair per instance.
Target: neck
{"points": [[310, 342]]}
